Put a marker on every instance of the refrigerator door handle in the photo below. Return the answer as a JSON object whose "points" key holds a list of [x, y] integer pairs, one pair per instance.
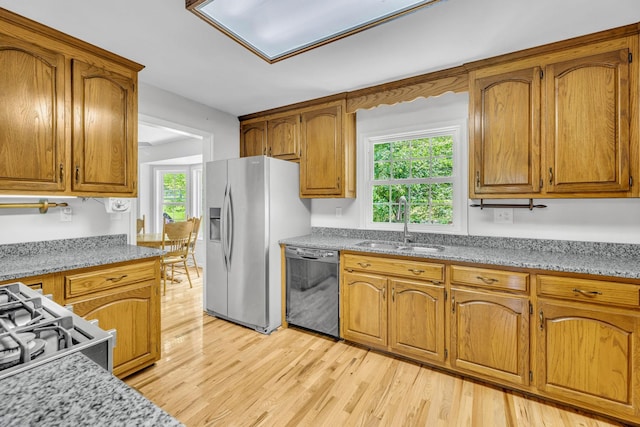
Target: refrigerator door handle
{"points": [[230, 224], [224, 227]]}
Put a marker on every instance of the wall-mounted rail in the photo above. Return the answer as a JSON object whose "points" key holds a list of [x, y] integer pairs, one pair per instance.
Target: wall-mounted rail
{"points": [[43, 205], [530, 206]]}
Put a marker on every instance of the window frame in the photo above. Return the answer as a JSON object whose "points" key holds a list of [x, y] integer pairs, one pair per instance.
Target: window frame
{"points": [[193, 199], [456, 128]]}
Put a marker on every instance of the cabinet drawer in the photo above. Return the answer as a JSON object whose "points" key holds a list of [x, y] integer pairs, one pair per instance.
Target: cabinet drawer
{"points": [[599, 291], [106, 278], [395, 267], [486, 278]]}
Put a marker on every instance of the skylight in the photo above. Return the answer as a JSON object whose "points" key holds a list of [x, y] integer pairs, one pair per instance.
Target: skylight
{"points": [[278, 29]]}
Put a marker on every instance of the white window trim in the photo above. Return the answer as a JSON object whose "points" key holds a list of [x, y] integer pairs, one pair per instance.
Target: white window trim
{"points": [[460, 184], [191, 204]]}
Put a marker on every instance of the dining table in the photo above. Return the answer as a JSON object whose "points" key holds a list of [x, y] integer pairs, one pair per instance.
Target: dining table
{"points": [[151, 240]]}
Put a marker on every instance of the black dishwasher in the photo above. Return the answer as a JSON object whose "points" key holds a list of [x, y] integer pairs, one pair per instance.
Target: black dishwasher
{"points": [[313, 290]]}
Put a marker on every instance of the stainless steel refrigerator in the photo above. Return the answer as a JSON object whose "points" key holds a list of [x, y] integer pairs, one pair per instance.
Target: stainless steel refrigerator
{"points": [[251, 203]]}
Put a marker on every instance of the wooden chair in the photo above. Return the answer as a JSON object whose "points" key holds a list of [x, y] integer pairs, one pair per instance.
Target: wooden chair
{"points": [[140, 225], [194, 239], [175, 242]]}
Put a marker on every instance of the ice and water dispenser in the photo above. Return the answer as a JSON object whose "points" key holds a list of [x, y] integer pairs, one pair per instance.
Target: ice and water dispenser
{"points": [[214, 224]]}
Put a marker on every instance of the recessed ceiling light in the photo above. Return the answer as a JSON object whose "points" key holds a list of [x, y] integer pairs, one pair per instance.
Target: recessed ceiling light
{"points": [[279, 29]]}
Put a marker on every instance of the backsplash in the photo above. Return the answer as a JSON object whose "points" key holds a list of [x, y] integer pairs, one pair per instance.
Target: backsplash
{"points": [[547, 245]]}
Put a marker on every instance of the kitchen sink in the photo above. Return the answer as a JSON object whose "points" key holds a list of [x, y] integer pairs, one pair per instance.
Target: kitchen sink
{"points": [[400, 246]]}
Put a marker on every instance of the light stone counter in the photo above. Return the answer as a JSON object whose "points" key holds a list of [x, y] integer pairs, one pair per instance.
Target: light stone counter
{"points": [[36, 258], [74, 391], [605, 259]]}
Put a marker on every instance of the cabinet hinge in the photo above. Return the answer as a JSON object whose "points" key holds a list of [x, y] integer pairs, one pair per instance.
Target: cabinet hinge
{"points": [[530, 376], [446, 354], [630, 57]]}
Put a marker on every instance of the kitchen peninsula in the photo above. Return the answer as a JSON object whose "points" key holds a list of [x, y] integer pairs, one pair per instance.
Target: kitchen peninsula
{"points": [[102, 278]]}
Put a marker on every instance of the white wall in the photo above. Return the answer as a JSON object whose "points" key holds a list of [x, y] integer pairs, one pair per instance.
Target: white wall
{"points": [[605, 220], [90, 217]]}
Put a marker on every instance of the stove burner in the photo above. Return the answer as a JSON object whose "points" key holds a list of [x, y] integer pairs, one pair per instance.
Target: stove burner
{"points": [[11, 357], [34, 330]]}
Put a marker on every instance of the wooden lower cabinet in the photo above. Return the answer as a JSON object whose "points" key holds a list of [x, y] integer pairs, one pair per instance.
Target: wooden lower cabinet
{"points": [[364, 305], [416, 320], [132, 312], [402, 316], [570, 338], [490, 335], [589, 356], [124, 297]]}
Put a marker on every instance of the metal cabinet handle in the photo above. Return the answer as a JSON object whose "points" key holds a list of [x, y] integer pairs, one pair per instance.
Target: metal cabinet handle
{"points": [[384, 293], [116, 279], [77, 173], [416, 271], [487, 280], [550, 176], [364, 264], [61, 172], [477, 178], [541, 318], [393, 294], [587, 293]]}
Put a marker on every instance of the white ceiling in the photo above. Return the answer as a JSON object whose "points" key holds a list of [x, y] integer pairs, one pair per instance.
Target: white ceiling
{"points": [[186, 56]]}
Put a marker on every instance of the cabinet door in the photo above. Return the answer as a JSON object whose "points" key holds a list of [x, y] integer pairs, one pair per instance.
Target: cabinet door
{"points": [[31, 117], [416, 320], [490, 335], [104, 125], [321, 165], [505, 146], [589, 355], [133, 313], [253, 139], [283, 137], [587, 123], [364, 303]]}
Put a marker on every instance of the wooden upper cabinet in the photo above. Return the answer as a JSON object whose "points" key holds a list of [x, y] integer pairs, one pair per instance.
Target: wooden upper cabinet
{"points": [[283, 137], [253, 139], [32, 147], [506, 133], [557, 125], [587, 123], [68, 116], [327, 164], [104, 143], [320, 169], [321, 135]]}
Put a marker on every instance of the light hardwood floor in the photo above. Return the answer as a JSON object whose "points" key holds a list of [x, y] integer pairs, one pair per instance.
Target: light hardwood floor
{"points": [[216, 373]]}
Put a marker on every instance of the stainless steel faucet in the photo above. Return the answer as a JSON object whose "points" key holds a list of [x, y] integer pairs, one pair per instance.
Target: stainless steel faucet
{"points": [[403, 201]]}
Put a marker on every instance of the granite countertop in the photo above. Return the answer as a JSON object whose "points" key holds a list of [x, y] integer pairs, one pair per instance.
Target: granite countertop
{"points": [[75, 391], [36, 258], [618, 260]]}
